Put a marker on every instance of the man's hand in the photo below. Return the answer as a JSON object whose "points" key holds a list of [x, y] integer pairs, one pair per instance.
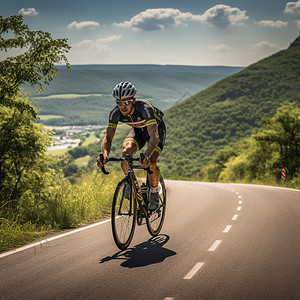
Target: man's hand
{"points": [[100, 163], [146, 162]]}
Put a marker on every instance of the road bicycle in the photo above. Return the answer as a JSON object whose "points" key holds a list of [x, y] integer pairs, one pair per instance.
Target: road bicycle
{"points": [[130, 204]]}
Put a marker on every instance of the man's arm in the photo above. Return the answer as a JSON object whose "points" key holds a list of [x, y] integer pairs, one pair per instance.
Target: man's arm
{"points": [[106, 145]]}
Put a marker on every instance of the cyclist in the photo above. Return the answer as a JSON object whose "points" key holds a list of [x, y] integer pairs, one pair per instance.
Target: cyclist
{"points": [[147, 126]]}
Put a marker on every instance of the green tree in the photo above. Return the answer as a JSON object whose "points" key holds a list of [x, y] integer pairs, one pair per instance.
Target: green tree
{"points": [[23, 160], [282, 132], [35, 65], [262, 156], [22, 156]]}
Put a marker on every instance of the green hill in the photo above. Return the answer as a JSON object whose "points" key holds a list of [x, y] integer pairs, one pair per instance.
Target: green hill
{"points": [[83, 95], [228, 111]]}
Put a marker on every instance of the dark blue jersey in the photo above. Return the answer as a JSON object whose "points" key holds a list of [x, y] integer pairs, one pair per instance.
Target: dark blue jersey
{"points": [[144, 114]]}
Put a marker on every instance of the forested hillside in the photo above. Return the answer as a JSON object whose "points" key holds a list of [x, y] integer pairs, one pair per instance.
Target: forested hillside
{"points": [[228, 111], [83, 95]]}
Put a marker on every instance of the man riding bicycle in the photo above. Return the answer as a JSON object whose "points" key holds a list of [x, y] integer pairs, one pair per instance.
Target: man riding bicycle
{"points": [[147, 126]]}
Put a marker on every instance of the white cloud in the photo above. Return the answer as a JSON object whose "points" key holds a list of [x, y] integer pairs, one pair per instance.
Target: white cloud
{"points": [[276, 24], [153, 19], [84, 43], [85, 24], [161, 18], [28, 12], [266, 45], [223, 16], [109, 39], [99, 45], [221, 47], [293, 8]]}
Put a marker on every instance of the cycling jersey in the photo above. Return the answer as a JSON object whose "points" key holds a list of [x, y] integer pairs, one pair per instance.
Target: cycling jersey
{"points": [[144, 114]]}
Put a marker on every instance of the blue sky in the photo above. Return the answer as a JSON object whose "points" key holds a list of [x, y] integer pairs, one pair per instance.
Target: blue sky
{"points": [[178, 32]]}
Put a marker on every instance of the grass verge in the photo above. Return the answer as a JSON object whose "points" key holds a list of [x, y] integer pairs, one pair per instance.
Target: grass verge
{"points": [[68, 206]]}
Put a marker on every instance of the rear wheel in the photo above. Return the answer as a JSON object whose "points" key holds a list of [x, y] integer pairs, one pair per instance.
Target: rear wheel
{"points": [[155, 218], [123, 215]]}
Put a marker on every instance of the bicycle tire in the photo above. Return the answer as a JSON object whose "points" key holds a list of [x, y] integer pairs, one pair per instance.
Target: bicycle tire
{"points": [[123, 216], [156, 218]]}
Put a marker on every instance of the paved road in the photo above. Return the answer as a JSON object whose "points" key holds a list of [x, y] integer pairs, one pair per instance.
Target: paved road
{"points": [[219, 241]]}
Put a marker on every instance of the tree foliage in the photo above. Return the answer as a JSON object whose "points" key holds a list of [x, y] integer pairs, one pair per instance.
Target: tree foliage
{"points": [[34, 65], [22, 156], [283, 133], [273, 146], [24, 164]]}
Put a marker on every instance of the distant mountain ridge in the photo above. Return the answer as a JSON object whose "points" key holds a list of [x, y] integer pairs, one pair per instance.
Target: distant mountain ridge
{"points": [[162, 85], [156, 68], [296, 42], [228, 111]]}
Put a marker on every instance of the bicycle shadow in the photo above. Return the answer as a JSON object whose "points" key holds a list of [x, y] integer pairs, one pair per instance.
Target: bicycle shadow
{"points": [[144, 254]]}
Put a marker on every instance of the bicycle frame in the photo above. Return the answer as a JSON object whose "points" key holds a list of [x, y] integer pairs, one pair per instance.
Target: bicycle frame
{"points": [[134, 182], [130, 175]]}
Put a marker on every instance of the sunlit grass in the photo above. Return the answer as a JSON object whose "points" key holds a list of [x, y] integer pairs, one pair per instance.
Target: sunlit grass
{"points": [[90, 140], [58, 151], [88, 200], [48, 117], [82, 161]]}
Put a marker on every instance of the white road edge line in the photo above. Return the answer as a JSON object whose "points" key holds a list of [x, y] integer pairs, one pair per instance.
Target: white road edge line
{"points": [[240, 202], [234, 217], [239, 208], [195, 269], [228, 227], [10, 252], [215, 245]]}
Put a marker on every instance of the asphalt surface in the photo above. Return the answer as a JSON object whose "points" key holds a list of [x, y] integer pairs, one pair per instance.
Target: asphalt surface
{"points": [[219, 241]]}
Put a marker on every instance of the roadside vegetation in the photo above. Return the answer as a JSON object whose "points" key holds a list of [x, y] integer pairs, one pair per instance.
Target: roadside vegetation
{"points": [[58, 205], [35, 195], [261, 157]]}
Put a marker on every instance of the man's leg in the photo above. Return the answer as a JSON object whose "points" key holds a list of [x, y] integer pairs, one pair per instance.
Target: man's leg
{"points": [[129, 147], [154, 178]]}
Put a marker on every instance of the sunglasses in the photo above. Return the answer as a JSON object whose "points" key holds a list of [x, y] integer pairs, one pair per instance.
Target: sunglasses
{"points": [[124, 102]]}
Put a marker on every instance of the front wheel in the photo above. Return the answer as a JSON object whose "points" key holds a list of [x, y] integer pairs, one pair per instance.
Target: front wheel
{"points": [[123, 215], [155, 218]]}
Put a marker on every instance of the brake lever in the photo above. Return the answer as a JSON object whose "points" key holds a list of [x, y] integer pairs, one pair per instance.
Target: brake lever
{"points": [[102, 168]]}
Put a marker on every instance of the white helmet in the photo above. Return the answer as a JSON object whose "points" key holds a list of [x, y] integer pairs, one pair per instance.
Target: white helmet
{"points": [[124, 90]]}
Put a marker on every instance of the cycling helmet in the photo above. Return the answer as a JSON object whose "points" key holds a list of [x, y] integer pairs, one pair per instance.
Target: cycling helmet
{"points": [[124, 90]]}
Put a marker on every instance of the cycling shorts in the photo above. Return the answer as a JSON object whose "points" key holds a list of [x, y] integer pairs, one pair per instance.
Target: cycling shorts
{"points": [[140, 137]]}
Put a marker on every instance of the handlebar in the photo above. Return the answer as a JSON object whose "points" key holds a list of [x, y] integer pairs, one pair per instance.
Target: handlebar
{"points": [[127, 158]]}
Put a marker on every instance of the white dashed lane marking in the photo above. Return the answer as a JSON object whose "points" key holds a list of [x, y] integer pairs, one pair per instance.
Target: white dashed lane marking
{"points": [[228, 227], [195, 269], [234, 217], [215, 245]]}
